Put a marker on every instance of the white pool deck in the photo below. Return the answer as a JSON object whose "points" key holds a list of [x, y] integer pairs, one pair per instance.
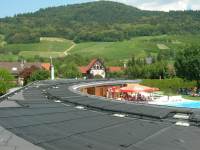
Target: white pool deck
{"points": [[160, 99]]}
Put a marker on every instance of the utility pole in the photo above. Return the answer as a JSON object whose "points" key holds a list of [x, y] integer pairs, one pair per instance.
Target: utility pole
{"points": [[76, 72], [52, 70]]}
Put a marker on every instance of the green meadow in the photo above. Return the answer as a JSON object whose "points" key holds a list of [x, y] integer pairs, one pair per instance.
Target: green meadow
{"points": [[8, 58], [47, 47], [43, 46], [138, 46], [30, 54]]}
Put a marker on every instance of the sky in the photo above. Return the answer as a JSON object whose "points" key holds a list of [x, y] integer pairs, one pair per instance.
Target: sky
{"points": [[11, 7]]}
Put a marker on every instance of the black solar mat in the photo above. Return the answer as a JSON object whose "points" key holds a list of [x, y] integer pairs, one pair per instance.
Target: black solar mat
{"points": [[52, 125]]}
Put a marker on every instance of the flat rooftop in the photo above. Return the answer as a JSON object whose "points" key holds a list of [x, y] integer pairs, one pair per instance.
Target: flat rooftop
{"points": [[54, 115]]}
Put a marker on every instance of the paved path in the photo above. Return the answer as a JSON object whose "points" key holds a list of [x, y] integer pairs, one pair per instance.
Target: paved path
{"points": [[68, 50]]}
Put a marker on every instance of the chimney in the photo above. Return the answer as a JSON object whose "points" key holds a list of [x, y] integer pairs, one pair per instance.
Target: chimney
{"points": [[124, 64], [102, 61], [22, 62]]}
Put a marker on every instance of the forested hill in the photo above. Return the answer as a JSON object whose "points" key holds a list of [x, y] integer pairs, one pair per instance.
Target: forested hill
{"points": [[97, 21], [101, 11]]}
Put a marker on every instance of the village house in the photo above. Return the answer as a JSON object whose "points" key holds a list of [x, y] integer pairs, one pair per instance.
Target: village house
{"points": [[15, 67], [97, 67]]}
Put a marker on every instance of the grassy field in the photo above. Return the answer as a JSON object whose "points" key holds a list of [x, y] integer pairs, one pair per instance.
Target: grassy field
{"points": [[137, 46], [11, 58], [116, 50], [162, 46], [189, 97], [43, 46], [29, 54]]}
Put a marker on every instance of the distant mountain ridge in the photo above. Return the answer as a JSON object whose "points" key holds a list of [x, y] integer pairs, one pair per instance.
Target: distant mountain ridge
{"points": [[97, 21]]}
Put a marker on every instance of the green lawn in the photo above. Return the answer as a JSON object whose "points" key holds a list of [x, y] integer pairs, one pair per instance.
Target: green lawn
{"points": [[189, 97]]}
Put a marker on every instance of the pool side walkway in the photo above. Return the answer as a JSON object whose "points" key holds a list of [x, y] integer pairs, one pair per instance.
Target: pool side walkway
{"points": [[172, 99]]}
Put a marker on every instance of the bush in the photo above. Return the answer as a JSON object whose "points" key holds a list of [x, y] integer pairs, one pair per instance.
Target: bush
{"points": [[40, 75], [163, 84]]}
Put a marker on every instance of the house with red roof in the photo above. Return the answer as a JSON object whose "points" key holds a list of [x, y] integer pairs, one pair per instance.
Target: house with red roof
{"points": [[97, 67], [171, 67], [15, 67], [46, 66]]}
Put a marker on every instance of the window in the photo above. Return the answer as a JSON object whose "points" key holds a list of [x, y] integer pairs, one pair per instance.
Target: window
{"points": [[14, 69]]}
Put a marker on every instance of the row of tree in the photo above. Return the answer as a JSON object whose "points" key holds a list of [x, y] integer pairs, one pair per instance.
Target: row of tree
{"points": [[5, 50]]}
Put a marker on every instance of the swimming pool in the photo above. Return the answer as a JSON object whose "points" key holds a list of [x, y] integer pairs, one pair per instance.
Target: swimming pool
{"points": [[195, 104]]}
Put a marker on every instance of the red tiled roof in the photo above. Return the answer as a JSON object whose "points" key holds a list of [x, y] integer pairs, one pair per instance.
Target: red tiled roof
{"points": [[46, 66], [171, 67], [83, 69], [86, 68], [91, 63], [112, 69]]}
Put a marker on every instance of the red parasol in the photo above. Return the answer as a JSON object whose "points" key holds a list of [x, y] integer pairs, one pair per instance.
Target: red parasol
{"points": [[136, 88], [116, 90], [111, 87], [154, 88]]}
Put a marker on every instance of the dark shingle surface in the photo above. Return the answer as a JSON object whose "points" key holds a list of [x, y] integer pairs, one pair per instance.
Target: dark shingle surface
{"points": [[52, 125]]}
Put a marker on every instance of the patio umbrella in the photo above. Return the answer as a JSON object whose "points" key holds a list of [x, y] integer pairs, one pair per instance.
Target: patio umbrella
{"points": [[116, 90], [136, 88], [155, 89], [111, 87]]}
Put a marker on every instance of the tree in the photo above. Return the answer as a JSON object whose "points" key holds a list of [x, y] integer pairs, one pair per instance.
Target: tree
{"points": [[187, 64], [160, 57], [70, 71], [117, 74], [40, 75], [26, 73], [5, 80]]}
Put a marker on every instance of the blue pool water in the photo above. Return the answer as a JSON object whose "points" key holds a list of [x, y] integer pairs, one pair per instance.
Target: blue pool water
{"points": [[186, 104]]}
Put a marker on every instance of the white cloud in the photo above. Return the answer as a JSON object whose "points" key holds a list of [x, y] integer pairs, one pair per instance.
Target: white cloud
{"points": [[165, 7], [195, 7], [162, 5]]}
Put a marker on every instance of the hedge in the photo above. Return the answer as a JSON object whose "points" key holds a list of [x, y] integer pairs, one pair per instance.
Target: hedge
{"points": [[163, 84]]}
